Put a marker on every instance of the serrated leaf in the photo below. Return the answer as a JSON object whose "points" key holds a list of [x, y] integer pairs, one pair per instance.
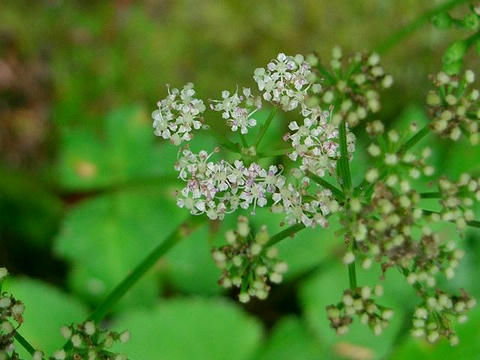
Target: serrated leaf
{"points": [[191, 329]]}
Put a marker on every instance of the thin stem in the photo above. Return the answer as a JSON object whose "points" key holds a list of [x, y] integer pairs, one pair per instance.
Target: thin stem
{"points": [[24, 342], [339, 195], [352, 276], [414, 139], [285, 233], [274, 153], [244, 140], [150, 260], [416, 24], [431, 195], [264, 128], [346, 178]]}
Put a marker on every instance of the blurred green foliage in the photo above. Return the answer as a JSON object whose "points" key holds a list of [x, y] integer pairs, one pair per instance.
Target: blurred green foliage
{"points": [[98, 192]]}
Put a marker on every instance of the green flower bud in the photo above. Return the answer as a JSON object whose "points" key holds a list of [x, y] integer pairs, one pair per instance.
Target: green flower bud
{"points": [[455, 52], [442, 20]]}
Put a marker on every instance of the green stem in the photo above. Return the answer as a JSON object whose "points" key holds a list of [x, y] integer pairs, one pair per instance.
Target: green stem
{"points": [[414, 139], [339, 195], [24, 342], [345, 176], [416, 24], [244, 140], [352, 275], [431, 195], [274, 153], [178, 234], [264, 128], [285, 233]]}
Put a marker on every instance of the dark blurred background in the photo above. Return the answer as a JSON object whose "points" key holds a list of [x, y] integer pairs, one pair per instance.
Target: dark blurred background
{"points": [[86, 191]]}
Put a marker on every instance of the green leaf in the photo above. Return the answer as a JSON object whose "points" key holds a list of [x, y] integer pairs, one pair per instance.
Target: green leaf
{"points": [[123, 153], [453, 68], [191, 329], [46, 310], [190, 267], [291, 340], [108, 236]]}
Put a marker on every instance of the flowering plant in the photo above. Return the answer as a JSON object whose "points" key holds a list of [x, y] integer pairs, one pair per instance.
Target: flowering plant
{"points": [[382, 217]]}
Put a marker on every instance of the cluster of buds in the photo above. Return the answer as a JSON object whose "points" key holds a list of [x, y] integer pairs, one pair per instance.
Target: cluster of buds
{"points": [[178, 115], [217, 188], [286, 81], [389, 155], [454, 107], [236, 115], [384, 233], [11, 318], [457, 200], [355, 93], [248, 263], [383, 230], [316, 143], [432, 320], [360, 302], [90, 342]]}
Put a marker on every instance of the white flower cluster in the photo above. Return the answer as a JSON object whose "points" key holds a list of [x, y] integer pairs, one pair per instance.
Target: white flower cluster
{"points": [[217, 188], [178, 115], [237, 116], [286, 81], [432, 319], [11, 318], [458, 199], [316, 143], [455, 106], [90, 342]]}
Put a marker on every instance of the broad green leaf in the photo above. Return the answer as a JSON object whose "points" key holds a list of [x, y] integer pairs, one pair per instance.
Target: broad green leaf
{"points": [[190, 266], [290, 339], [184, 329], [46, 310], [106, 237], [123, 153]]}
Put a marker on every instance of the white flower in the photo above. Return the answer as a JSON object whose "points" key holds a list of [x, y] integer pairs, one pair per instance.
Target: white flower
{"points": [[237, 116], [316, 143], [178, 114], [285, 81]]}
